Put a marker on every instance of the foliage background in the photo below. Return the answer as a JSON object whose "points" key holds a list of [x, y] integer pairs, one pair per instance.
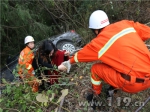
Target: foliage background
{"points": [[44, 18]]}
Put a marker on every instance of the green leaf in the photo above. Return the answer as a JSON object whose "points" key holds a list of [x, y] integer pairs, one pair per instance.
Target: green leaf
{"points": [[49, 91], [8, 89], [14, 71], [1, 110], [45, 104], [1, 100], [32, 107], [39, 110], [4, 81]]}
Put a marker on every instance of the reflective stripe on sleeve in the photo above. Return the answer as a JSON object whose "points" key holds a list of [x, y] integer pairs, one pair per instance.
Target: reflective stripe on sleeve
{"points": [[76, 58], [21, 57], [113, 39], [95, 82], [29, 67], [32, 57]]}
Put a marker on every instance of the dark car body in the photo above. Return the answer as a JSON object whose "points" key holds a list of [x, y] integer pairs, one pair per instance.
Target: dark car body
{"points": [[67, 41]]}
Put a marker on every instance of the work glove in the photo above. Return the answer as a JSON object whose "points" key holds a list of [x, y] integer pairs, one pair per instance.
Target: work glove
{"points": [[67, 65], [62, 67]]}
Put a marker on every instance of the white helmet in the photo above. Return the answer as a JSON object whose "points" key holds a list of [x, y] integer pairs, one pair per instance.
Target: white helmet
{"points": [[28, 39], [98, 20]]}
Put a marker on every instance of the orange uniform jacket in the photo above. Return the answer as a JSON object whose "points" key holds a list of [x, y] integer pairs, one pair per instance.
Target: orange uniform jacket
{"points": [[120, 45], [25, 62]]}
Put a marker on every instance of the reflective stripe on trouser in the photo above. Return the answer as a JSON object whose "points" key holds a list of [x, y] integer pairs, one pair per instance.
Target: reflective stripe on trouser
{"points": [[112, 77], [35, 86], [96, 83], [21, 58], [29, 66]]}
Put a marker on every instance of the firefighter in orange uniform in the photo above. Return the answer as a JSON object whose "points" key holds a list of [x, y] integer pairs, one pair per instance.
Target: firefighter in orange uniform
{"points": [[25, 63], [125, 59]]}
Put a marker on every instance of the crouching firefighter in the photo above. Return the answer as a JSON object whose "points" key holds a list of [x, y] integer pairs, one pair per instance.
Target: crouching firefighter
{"points": [[125, 59]]}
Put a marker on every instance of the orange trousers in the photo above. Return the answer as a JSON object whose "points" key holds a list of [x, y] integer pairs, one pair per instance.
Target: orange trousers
{"points": [[33, 83], [101, 71]]}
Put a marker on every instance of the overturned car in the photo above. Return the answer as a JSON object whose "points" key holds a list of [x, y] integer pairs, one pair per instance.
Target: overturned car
{"points": [[69, 41]]}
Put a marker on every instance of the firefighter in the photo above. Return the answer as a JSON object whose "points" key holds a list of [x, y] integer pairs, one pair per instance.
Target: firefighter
{"points": [[26, 70], [123, 55]]}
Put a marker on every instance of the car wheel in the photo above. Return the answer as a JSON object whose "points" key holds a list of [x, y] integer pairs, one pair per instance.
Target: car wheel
{"points": [[68, 46]]}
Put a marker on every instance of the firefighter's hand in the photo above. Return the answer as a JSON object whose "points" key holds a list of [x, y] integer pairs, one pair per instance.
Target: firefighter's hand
{"points": [[62, 67]]}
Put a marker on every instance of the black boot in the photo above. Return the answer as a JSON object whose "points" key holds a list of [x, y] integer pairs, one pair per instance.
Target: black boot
{"points": [[110, 91], [90, 100]]}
